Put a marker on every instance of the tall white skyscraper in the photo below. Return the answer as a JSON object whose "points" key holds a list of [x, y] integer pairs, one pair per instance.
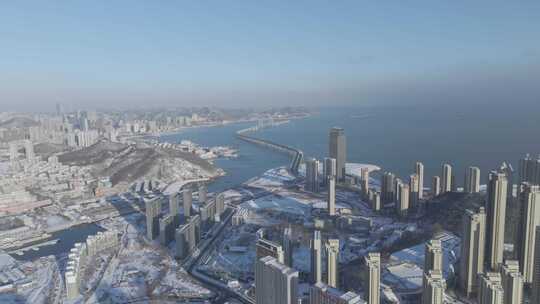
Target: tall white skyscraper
{"points": [[332, 258], [530, 218], [496, 215], [403, 200], [446, 181], [414, 195], [275, 283], [312, 175], [316, 257], [364, 173], [338, 150], [372, 278], [472, 250], [331, 195], [203, 193], [433, 256], [472, 180], [491, 290], [419, 170], [434, 286], [187, 200], [387, 187], [436, 186], [512, 282]]}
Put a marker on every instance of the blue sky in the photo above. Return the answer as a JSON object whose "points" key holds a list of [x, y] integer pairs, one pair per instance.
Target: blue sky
{"points": [[237, 53]]}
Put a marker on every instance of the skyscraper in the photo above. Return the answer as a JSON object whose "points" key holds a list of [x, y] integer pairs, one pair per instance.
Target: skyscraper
{"points": [[364, 173], [472, 180], [387, 187], [530, 218], [331, 195], [433, 257], [535, 287], [434, 286], [512, 282], [203, 193], [312, 175], [508, 170], [275, 283], [329, 168], [446, 181], [491, 290], [288, 246], [529, 170], [414, 195], [187, 200], [372, 278], [316, 256], [472, 250], [496, 215], [420, 173], [321, 293], [153, 208], [436, 186], [264, 247], [332, 256], [29, 150], [403, 201], [174, 209], [338, 150]]}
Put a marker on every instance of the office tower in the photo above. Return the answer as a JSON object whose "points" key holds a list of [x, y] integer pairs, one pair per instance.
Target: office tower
{"points": [[166, 229], [275, 283], [434, 286], [187, 200], [496, 215], [288, 246], [436, 186], [472, 250], [397, 189], [174, 207], [420, 173], [332, 256], [535, 287], [220, 205], [29, 150], [529, 219], [508, 170], [316, 256], [153, 208], [472, 180], [403, 200], [376, 201], [529, 170], [203, 193], [264, 247], [329, 168], [331, 195], [312, 175], [188, 237], [338, 150], [512, 282], [364, 173], [372, 278], [414, 195], [387, 187], [433, 256], [490, 289], [446, 180], [321, 293]]}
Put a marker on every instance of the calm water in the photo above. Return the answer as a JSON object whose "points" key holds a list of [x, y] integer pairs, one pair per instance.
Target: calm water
{"points": [[391, 137]]}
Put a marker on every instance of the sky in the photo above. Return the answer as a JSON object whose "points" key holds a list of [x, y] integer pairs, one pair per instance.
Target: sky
{"points": [[266, 53]]}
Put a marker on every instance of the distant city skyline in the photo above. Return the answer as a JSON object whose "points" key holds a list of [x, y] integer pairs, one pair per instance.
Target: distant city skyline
{"points": [[104, 54]]}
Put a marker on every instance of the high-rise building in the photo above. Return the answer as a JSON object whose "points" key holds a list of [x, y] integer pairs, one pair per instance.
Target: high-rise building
{"points": [[512, 282], [265, 247], [387, 187], [491, 290], [29, 150], [316, 256], [414, 195], [331, 195], [187, 200], [472, 250], [446, 180], [434, 286], [372, 278], [397, 190], [153, 209], [338, 150], [13, 153], [174, 207], [433, 256], [472, 180], [496, 215], [535, 287], [529, 170], [203, 193], [364, 173], [220, 205], [403, 201], [436, 186], [288, 246], [376, 201], [420, 173], [529, 219], [508, 170], [332, 257], [188, 237], [329, 168], [321, 293], [312, 175], [166, 229], [275, 283]]}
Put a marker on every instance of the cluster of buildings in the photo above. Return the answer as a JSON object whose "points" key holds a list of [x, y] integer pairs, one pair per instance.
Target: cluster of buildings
{"points": [[79, 256]]}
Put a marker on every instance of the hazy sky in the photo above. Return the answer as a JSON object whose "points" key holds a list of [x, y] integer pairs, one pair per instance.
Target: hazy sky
{"points": [[236, 53]]}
